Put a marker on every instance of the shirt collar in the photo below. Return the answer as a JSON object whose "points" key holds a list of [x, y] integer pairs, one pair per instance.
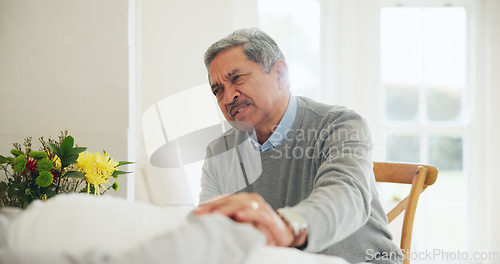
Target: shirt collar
{"points": [[281, 130]]}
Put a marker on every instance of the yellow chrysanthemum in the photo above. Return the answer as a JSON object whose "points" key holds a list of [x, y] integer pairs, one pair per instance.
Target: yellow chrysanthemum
{"points": [[97, 167], [85, 162], [105, 164]]}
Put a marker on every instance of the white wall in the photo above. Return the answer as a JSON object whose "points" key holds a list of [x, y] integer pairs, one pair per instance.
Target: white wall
{"points": [[482, 152], [356, 55], [492, 129], [64, 65]]}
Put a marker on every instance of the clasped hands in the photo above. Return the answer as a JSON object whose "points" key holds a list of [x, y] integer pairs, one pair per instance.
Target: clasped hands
{"points": [[252, 209]]}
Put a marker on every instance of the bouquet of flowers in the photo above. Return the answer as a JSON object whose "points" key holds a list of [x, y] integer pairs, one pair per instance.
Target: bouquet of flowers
{"points": [[58, 167]]}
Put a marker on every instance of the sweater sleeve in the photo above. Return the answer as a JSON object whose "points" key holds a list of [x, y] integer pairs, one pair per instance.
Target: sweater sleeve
{"points": [[340, 201]]}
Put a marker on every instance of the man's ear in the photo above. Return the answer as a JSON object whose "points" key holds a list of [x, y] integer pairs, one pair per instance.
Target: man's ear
{"points": [[283, 76]]}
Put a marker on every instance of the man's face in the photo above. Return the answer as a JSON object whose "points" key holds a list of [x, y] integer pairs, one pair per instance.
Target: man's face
{"points": [[247, 96]]}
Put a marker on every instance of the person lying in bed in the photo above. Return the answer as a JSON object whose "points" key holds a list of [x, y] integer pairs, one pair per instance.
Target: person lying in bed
{"points": [[298, 170], [87, 229]]}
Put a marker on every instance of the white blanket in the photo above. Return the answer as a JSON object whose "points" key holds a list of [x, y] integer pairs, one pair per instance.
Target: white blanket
{"points": [[79, 228]]}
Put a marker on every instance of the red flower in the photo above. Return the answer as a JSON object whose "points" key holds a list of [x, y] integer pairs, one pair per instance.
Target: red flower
{"points": [[31, 165], [56, 175]]}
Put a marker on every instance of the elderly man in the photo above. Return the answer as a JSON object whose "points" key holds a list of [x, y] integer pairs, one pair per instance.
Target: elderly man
{"points": [[299, 171]]}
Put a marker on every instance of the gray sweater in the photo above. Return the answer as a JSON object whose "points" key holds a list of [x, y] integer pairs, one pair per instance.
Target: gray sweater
{"points": [[323, 169]]}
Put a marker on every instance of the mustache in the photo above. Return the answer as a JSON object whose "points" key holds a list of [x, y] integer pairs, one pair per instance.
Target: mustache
{"points": [[235, 104]]}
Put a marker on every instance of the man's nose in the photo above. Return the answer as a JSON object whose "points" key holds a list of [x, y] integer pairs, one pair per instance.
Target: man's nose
{"points": [[230, 95]]}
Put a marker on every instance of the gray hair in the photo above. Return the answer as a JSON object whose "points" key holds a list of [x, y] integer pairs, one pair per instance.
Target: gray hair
{"points": [[257, 45]]}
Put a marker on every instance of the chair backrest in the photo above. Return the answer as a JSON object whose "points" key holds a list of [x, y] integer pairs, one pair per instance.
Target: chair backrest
{"points": [[420, 177]]}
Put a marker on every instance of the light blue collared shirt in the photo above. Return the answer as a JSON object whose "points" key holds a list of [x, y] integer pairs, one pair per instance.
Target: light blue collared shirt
{"points": [[283, 127]]}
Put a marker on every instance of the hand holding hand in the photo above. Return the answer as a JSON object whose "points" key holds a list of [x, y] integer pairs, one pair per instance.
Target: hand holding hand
{"points": [[252, 209]]}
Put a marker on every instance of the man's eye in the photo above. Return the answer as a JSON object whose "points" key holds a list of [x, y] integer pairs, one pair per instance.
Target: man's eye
{"points": [[236, 77], [216, 91]]}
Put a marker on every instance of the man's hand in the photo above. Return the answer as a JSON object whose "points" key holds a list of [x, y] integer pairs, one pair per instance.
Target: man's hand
{"points": [[252, 209]]}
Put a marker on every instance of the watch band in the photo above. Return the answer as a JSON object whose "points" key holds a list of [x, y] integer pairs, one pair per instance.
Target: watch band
{"points": [[294, 219]]}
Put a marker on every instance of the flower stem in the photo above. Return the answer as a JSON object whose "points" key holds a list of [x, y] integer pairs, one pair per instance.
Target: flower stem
{"points": [[7, 173], [59, 180], [105, 190]]}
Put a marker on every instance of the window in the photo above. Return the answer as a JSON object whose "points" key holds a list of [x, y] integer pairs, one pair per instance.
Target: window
{"points": [[423, 64], [295, 26], [424, 84]]}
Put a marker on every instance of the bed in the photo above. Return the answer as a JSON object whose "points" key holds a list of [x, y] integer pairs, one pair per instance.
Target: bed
{"points": [[78, 228]]}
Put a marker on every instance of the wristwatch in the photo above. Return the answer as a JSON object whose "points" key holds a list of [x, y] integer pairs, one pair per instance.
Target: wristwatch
{"points": [[295, 220]]}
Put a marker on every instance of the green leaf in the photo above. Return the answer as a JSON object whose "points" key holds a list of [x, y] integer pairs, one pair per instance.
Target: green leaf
{"points": [[50, 193], [65, 163], [68, 160], [3, 186], [77, 150], [116, 173], [55, 149], [67, 145], [3, 159], [124, 163], [74, 174], [71, 158]]}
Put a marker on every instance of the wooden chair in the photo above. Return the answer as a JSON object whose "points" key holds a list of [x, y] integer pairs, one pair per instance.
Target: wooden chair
{"points": [[420, 177]]}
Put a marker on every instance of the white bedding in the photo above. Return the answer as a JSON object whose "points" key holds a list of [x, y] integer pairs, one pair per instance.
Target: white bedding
{"points": [[78, 228]]}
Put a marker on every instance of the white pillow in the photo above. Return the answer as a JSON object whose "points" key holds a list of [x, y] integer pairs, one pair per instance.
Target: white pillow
{"points": [[76, 223]]}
